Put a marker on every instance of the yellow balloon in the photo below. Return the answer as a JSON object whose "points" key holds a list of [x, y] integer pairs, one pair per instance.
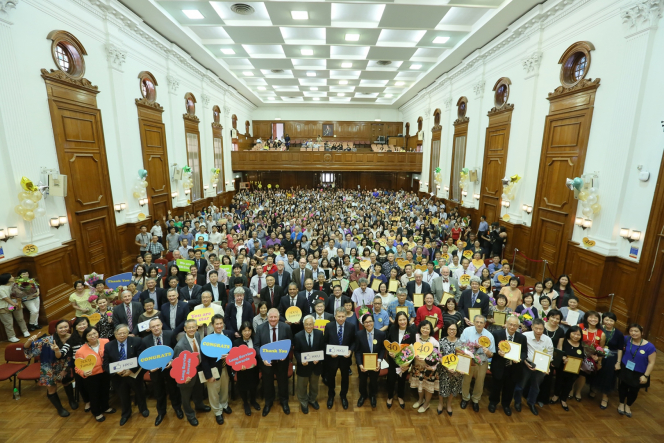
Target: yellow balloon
{"points": [[35, 196], [27, 185], [28, 216], [23, 195], [136, 194], [583, 195], [20, 210], [29, 204], [596, 208]]}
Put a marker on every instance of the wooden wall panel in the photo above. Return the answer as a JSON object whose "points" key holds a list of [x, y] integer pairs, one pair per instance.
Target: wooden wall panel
{"points": [[326, 161], [343, 130]]}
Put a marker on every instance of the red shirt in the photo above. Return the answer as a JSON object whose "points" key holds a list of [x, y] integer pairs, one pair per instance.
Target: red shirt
{"points": [[423, 312], [271, 270]]}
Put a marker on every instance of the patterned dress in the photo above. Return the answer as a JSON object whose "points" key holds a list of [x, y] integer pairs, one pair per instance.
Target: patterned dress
{"points": [[421, 377], [52, 369], [105, 324], [450, 383]]}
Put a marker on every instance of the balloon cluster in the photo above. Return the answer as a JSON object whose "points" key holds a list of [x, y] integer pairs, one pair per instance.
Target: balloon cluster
{"points": [[509, 187], [29, 198], [463, 183], [187, 181], [140, 185], [589, 202], [214, 178], [437, 176]]}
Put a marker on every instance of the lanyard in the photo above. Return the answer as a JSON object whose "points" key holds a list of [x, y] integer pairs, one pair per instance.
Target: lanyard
{"points": [[637, 348]]}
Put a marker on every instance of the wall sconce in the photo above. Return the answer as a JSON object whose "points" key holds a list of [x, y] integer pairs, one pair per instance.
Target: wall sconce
{"points": [[505, 203], [206, 187], [528, 209], [446, 189], [187, 191], [583, 223], [476, 196], [120, 207], [214, 185], [464, 193], [11, 233], [627, 234], [174, 195], [438, 187], [143, 202]]}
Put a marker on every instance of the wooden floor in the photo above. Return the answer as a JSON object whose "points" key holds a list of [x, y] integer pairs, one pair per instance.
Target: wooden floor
{"points": [[32, 419]]}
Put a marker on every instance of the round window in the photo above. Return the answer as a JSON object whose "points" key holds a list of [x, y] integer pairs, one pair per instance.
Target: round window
{"points": [[462, 110], [63, 58], [148, 90], [191, 107], [501, 95]]}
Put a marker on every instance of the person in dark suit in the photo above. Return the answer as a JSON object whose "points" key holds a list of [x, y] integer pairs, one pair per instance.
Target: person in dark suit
{"points": [[474, 298], [217, 387], [301, 274], [192, 387], [216, 288], [294, 299], [269, 332], [122, 348], [319, 313], [368, 341], [181, 309], [201, 263], [272, 293], [248, 377], [240, 282], [308, 372], [230, 316], [282, 278], [158, 295], [338, 300], [417, 286], [191, 293], [401, 332], [506, 373], [311, 294], [339, 333], [322, 286], [162, 382], [120, 313]]}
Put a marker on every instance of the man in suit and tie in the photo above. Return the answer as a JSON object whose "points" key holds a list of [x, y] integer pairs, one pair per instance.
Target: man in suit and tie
{"points": [[174, 313], [506, 372], [122, 348], [319, 311], [301, 274], [270, 332], [272, 293], [311, 295], [308, 372], [368, 341], [191, 293], [339, 333], [192, 386], [217, 381], [158, 295], [128, 312], [294, 299], [445, 284], [417, 286], [162, 382], [282, 277], [216, 288], [201, 263], [474, 298], [241, 306], [338, 300]]}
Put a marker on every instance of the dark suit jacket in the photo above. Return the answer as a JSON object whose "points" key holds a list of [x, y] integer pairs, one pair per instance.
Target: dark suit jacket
{"points": [[410, 287], [348, 339], [207, 363], [248, 295], [161, 297], [362, 345], [301, 345], [465, 302], [134, 346], [194, 299], [262, 336], [285, 280], [222, 292], [300, 302], [120, 315], [326, 288], [168, 339], [229, 316], [183, 345], [329, 306], [278, 294], [498, 362], [295, 278], [180, 316], [315, 296], [202, 267], [326, 315]]}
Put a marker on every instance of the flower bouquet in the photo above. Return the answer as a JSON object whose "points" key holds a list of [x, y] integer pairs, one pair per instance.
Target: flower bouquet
{"points": [[434, 358], [589, 364], [468, 349], [526, 320], [25, 288], [92, 279], [405, 356]]}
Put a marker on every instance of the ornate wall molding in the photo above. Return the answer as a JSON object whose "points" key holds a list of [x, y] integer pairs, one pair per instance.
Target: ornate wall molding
{"points": [[448, 103], [173, 84], [641, 16], [227, 111], [6, 6], [205, 99], [116, 56], [217, 125], [531, 64], [61, 77], [506, 108], [150, 104], [458, 121], [191, 118], [478, 89], [583, 84]]}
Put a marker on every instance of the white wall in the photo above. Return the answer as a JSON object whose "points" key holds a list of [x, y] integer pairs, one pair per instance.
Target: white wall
{"points": [[626, 129], [327, 113]]}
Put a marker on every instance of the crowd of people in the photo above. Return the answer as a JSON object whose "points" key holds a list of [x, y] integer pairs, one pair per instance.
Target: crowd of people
{"points": [[373, 267]]}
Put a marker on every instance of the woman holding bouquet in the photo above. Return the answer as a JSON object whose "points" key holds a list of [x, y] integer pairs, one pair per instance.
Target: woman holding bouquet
{"points": [[403, 333], [423, 373], [27, 289], [105, 324], [594, 340], [526, 310], [450, 381], [80, 299]]}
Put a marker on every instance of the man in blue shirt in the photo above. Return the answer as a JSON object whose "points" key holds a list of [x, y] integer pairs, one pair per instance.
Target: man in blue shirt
{"points": [[380, 315], [497, 285], [401, 301]]}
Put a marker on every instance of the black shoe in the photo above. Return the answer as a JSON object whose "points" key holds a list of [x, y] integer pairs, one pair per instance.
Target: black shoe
{"points": [[110, 411], [247, 409], [492, 408], [305, 409], [315, 405], [146, 413], [220, 419], [517, 406], [158, 420], [266, 410], [344, 403], [402, 405], [553, 402], [565, 407], [389, 405], [203, 408], [228, 410], [123, 420], [256, 406], [507, 410], [192, 421], [360, 402], [100, 419], [476, 407], [373, 402], [449, 413], [284, 406], [179, 414], [330, 402], [533, 409], [464, 404]]}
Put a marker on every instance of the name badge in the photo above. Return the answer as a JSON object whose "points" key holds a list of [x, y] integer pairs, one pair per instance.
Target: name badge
{"points": [[630, 365]]}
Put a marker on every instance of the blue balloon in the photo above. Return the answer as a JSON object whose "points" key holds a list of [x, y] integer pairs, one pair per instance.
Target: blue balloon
{"points": [[578, 183], [216, 345], [155, 357], [142, 173], [275, 351]]}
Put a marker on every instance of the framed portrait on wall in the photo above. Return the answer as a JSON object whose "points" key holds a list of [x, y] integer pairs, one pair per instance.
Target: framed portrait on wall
{"points": [[328, 130]]}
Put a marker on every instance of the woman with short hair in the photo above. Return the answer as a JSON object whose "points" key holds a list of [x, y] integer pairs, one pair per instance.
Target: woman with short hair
{"points": [[96, 381], [636, 366]]}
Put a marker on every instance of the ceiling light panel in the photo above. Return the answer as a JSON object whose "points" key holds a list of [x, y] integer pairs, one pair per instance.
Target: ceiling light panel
{"points": [[352, 37], [264, 51], [307, 52], [299, 15], [227, 51], [346, 15], [303, 36], [400, 38], [440, 40], [193, 14], [349, 52]]}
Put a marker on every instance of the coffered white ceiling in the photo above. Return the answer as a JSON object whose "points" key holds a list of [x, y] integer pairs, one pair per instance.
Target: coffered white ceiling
{"points": [[348, 51]]}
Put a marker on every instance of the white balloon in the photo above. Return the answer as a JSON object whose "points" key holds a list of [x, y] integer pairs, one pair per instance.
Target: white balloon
{"points": [[40, 212], [593, 190], [587, 212], [29, 204], [592, 199]]}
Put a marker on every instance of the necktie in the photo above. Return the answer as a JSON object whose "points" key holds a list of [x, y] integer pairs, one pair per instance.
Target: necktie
{"points": [[474, 299], [123, 354], [195, 345], [302, 280], [292, 301], [509, 362], [370, 342], [340, 334], [158, 341], [309, 337], [259, 284], [271, 297], [198, 263], [274, 334], [130, 321], [445, 280], [309, 296]]}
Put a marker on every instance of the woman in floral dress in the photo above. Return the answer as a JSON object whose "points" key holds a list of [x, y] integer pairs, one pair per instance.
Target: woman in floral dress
{"points": [[424, 376], [450, 381]]}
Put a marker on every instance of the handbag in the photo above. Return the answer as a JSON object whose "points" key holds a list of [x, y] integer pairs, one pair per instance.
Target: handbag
{"points": [[588, 365]]}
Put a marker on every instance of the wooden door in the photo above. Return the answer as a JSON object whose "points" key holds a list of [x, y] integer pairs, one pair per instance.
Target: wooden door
{"points": [[377, 129], [81, 151], [155, 159], [495, 158]]}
